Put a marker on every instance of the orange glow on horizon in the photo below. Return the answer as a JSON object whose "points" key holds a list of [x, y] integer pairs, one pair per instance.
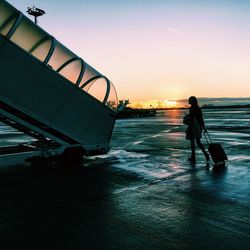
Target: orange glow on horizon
{"points": [[156, 104]]}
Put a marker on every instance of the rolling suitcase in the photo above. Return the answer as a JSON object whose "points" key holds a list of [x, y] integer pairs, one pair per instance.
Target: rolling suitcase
{"points": [[215, 150]]}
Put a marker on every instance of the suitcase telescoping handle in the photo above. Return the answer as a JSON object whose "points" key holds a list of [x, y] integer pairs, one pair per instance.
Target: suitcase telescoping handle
{"points": [[207, 137]]}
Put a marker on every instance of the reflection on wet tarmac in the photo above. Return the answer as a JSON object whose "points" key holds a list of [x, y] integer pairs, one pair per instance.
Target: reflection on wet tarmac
{"points": [[156, 147]]}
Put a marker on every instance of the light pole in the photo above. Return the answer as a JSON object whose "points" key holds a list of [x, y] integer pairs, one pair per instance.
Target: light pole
{"points": [[35, 12]]}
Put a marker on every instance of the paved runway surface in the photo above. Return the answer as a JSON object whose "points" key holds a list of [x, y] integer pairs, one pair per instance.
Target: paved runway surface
{"points": [[143, 195]]}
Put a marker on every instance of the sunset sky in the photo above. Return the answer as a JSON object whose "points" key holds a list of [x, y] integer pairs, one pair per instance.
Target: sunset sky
{"points": [[157, 49]]}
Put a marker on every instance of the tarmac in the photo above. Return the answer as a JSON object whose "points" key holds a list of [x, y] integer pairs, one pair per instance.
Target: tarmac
{"points": [[143, 195], [49, 207]]}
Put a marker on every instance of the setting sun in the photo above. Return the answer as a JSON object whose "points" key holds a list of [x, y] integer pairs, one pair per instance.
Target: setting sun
{"points": [[170, 103]]}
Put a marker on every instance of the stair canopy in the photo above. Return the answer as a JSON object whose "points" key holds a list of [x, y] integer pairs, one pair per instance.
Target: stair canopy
{"points": [[20, 30]]}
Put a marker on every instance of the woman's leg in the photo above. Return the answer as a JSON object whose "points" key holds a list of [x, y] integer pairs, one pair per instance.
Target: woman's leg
{"points": [[193, 150], [198, 141]]}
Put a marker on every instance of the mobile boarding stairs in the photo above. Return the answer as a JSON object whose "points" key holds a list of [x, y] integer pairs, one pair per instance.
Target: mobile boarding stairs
{"points": [[51, 94]]}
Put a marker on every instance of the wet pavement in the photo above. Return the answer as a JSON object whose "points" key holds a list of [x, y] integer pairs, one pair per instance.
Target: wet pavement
{"points": [[143, 195]]}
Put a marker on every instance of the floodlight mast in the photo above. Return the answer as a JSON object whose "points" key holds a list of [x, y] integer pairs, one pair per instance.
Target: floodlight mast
{"points": [[35, 12]]}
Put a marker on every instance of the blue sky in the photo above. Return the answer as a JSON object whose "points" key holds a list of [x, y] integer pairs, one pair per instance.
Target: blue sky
{"points": [[157, 49]]}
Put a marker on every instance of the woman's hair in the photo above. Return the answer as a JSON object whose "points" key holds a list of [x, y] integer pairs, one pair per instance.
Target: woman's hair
{"points": [[192, 100]]}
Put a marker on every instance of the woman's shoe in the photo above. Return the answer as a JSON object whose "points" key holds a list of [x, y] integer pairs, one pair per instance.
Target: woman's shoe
{"points": [[192, 159]]}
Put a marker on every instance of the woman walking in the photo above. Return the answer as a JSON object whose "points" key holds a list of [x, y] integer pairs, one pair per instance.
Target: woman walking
{"points": [[195, 127]]}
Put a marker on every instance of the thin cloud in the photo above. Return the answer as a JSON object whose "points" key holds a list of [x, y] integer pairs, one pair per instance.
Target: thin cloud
{"points": [[177, 32]]}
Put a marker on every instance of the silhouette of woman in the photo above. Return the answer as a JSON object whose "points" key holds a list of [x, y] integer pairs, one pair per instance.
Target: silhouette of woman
{"points": [[195, 127]]}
